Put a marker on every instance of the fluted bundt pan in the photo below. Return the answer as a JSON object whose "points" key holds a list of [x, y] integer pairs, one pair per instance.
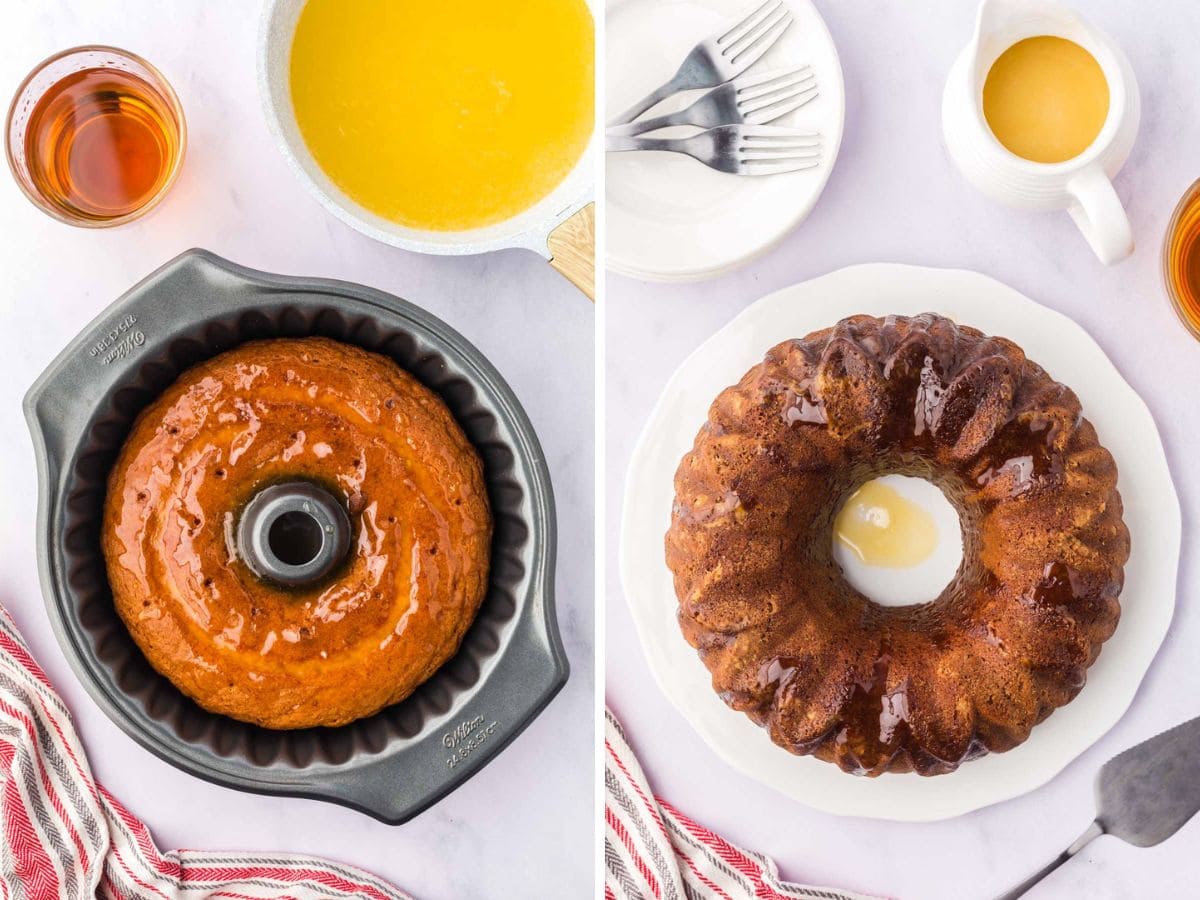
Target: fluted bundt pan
{"points": [[391, 765]]}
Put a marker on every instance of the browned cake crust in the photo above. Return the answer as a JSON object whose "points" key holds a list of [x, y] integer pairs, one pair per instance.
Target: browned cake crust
{"points": [[826, 671], [279, 410]]}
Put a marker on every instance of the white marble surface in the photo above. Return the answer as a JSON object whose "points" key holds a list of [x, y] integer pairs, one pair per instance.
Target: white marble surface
{"points": [[520, 828], [895, 197]]}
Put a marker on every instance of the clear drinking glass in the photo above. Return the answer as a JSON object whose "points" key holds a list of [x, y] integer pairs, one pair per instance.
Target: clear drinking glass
{"points": [[95, 136]]}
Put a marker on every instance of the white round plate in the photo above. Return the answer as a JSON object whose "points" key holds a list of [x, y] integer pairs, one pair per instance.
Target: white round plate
{"points": [[1070, 355], [671, 218]]}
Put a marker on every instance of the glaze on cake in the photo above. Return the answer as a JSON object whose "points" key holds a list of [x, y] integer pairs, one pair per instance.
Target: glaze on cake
{"points": [[323, 412], [913, 688]]}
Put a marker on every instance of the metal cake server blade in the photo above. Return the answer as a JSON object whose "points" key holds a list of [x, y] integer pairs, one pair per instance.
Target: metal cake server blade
{"points": [[1143, 796]]}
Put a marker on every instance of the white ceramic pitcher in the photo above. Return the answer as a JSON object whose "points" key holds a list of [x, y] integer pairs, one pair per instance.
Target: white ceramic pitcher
{"points": [[1081, 185]]}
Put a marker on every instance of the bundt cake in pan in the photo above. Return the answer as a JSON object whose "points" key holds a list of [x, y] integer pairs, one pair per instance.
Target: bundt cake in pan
{"points": [[354, 443], [824, 669]]}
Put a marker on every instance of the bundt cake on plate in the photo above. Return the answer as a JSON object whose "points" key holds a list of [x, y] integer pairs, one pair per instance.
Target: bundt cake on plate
{"points": [[826, 670]]}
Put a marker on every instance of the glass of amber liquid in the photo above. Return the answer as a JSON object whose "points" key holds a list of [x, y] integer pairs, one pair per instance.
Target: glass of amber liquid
{"points": [[1181, 259], [95, 136]]}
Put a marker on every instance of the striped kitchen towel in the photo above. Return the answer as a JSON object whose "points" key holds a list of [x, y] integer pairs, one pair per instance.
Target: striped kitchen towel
{"points": [[651, 850], [66, 838]]}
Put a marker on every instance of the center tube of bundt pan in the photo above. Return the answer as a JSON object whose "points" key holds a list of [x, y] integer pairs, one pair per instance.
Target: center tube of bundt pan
{"points": [[293, 534]]}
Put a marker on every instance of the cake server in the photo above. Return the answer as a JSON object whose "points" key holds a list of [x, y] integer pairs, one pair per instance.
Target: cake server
{"points": [[1143, 796], [722, 57]]}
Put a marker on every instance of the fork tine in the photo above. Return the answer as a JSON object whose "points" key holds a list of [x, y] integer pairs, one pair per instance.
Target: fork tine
{"points": [[765, 103], [798, 145], [749, 51], [790, 156], [767, 133], [778, 108], [749, 36], [795, 143], [778, 168], [775, 151], [749, 20], [751, 83], [751, 79], [778, 89]]}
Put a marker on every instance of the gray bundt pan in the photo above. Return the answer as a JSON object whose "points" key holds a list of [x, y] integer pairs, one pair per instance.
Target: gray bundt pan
{"points": [[405, 758]]}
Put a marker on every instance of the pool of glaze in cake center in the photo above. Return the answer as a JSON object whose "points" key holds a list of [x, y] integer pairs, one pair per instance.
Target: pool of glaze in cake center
{"points": [[898, 540]]}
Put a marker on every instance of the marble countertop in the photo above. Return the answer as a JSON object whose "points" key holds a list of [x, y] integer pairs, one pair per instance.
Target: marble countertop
{"points": [[237, 197], [895, 197]]}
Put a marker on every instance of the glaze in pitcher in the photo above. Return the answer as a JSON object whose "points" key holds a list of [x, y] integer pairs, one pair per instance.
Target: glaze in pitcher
{"points": [[1081, 185]]}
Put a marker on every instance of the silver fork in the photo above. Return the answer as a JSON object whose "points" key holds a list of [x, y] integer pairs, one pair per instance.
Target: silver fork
{"points": [[751, 99], [722, 57], [737, 149]]}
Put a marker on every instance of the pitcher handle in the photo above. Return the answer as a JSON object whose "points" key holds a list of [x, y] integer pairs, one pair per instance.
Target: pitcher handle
{"points": [[1098, 212]]}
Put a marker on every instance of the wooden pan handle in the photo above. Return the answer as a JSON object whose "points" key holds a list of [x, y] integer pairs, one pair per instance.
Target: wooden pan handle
{"points": [[573, 250]]}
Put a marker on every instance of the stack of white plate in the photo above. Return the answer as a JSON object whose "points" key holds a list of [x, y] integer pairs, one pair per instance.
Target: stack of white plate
{"points": [[669, 217]]}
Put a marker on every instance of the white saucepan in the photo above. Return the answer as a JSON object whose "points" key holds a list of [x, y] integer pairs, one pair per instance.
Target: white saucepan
{"points": [[560, 227]]}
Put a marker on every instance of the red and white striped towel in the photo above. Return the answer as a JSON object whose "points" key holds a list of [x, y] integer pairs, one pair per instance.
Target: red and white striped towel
{"points": [[66, 838], [651, 850]]}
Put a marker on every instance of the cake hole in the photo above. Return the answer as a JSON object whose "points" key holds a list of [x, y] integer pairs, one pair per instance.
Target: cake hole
{"points": [[296, 538], [898, 540]]}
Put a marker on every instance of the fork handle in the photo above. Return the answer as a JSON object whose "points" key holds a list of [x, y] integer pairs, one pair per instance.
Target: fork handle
{"points": [[629, 129], [572, 248], [1094, 831], [662, 92], [619, 143]]}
